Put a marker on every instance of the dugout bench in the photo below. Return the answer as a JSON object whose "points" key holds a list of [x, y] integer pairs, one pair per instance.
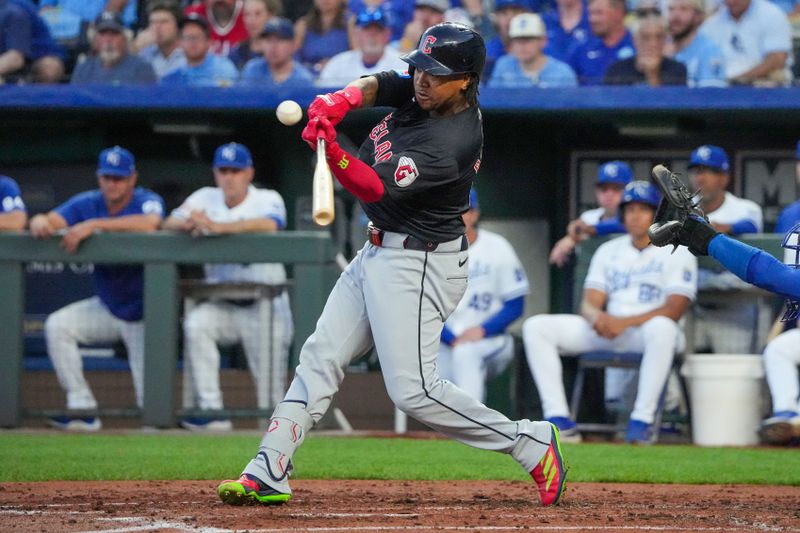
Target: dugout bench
{"points": [[310, 254]]}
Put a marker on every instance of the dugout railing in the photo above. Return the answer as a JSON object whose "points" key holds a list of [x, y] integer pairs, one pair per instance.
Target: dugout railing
{"points": [[310, 256]]}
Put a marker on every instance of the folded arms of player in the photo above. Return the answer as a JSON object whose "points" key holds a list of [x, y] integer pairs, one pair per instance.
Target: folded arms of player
{"points": [[494, 325]]}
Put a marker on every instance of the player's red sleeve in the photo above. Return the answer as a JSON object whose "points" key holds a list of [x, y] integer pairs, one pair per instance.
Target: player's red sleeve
{"points": [[355, 175]]}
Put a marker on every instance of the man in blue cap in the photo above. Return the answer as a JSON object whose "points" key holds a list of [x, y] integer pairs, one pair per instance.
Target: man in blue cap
{"points": [[603, 220], [372, 55], [277, 68], [262, 323], [723, 328], [116, 312]]}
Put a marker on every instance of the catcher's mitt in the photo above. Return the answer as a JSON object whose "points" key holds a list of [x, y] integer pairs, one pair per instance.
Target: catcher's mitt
{"points": [[677, 204]]}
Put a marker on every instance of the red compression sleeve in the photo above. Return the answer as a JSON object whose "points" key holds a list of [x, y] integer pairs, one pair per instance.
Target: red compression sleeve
{"points": [[355, 175]]}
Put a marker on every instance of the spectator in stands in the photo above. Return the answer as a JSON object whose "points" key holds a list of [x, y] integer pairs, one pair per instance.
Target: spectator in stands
{"points": [[791, 213], [203, 69], [756, 40], [15, 39], [527, 65], [427, 13], [225, 20], [262, 324], [612, 177], [165, 54], [475, 343], [705, 64], [567, 28], [46, 61], [13, 214], [399, 12], [649, 66], [89, 10], [633, 299], [116, 312], [721, 327], [505, 11], [256, 14], [322, 33], [610, 41], [112, 64], [277, 68], [372, 54]]}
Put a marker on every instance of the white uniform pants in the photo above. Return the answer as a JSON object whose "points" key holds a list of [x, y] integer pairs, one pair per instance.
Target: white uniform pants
{"points": [[547, 336], [265, 331], [398, 299], [470, 364], [781, 359], [90, 322]]}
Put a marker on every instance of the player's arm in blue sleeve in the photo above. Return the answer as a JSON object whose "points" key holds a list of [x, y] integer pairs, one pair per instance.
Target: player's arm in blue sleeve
{"points": [[755, 266], [447, 337], [497, 323], [743, 226], [607, 227]]}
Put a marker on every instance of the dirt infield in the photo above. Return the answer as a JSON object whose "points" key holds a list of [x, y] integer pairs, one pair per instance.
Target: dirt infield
{"points": [[396, 506]]}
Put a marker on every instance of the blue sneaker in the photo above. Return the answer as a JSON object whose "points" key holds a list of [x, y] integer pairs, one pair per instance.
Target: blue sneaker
{"points": [[639, 432], [781, 428], [206, 424], [70, 423], [567, 429]]}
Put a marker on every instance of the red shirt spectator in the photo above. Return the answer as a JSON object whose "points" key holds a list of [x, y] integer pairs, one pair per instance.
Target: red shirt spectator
{"points": [[225, 20]]}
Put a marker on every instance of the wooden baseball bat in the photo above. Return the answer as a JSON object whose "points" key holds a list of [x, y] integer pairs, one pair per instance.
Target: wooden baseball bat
{"points": [[322, 190]]}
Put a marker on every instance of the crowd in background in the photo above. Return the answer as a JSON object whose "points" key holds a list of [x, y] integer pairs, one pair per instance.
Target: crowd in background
{"points": [[289, 43]]}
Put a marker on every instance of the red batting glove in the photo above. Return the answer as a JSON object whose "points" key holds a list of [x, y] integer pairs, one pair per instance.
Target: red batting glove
{"points": [[334, 106], [319, 127]]}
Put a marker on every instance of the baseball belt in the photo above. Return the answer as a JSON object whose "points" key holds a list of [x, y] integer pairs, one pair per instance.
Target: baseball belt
{"points": [[390, 239]]}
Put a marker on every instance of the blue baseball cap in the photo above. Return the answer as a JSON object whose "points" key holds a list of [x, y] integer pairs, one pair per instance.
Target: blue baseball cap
{"points": [[640, 191], [368, 16], [116, 161], [710, 156], [233, 155], [524, 4], [473, 199], [614, 172], [279, 27]]}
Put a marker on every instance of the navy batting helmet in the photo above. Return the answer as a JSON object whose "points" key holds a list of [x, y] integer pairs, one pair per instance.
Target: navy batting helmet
{"points": [[448, 48], [640, 191]]}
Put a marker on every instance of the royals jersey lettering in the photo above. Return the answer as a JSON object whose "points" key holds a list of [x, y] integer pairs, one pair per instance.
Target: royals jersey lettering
{"points": [[638, 281]]}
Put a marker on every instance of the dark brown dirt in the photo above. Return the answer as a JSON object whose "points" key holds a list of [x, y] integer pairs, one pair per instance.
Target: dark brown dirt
{"points": [[397, 506]]}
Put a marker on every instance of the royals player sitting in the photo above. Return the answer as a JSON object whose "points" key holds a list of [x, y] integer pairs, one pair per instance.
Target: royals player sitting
{"points": [[475, 345], [116, 312], [634, 296], [263, 325]]}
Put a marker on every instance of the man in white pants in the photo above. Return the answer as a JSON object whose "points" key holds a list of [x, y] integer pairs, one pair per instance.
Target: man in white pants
{"points": [[263, 324], [634, 296], [475, 346], [116, 312]]}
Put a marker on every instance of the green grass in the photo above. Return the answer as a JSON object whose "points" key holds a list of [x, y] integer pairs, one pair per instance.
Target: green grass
{"points": [[41, 457]]}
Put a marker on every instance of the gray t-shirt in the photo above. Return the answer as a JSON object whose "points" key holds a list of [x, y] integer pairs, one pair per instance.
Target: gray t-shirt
{"points": [[131, 70]]}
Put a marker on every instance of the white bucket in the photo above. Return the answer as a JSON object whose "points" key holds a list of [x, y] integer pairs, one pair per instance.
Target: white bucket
{"points": [[725, 396]]}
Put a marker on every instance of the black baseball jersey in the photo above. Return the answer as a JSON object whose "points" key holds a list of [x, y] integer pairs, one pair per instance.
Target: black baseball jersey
{"points": [[426, 164]]}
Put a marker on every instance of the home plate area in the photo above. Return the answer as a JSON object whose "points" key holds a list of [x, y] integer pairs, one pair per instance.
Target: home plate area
{"points": [[368, 505]]}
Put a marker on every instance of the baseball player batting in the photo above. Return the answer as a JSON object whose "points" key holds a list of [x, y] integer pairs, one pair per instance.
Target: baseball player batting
{"points": [[412, 177], [680, 222], [475, 346]]}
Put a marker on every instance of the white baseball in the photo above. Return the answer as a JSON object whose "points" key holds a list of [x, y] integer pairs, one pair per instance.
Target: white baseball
{"points": [[289, 112]]}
